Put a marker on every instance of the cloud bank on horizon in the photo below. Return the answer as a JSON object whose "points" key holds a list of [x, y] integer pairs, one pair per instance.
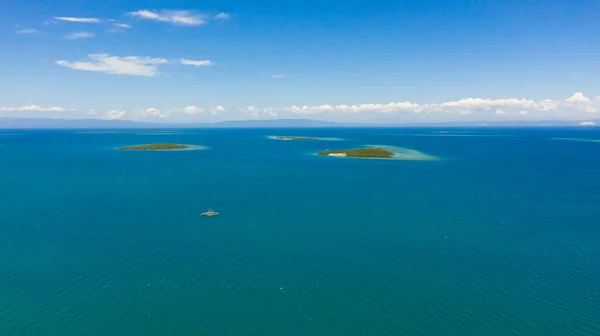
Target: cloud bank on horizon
{"points": [[575, 107]]}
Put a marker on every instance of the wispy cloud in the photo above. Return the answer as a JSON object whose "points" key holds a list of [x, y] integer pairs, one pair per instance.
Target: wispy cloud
{"points": [[78, 19], [277, 76], [27, 31], [150, 113], [176, 17], [197, 63], [118, 28], [222, 16], [115, 115], [128, 65], [79, 35]]}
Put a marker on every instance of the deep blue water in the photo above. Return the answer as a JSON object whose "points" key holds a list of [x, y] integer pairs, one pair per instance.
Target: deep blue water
{"points": [[499, 237]]}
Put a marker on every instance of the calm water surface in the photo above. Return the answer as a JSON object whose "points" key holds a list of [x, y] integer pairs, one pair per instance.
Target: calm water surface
{"points": [[498, 237]]}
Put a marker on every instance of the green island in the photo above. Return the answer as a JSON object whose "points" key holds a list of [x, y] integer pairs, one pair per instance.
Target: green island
{"points": [[371, 152], [155, 147], [295, 138]]}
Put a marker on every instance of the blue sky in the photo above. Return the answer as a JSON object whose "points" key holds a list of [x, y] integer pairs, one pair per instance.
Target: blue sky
{"points": [[190, 61]]}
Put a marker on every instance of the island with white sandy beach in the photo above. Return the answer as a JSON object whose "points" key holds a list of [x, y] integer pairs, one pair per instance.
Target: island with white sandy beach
{"points": [[369, 152], [380, 152]]}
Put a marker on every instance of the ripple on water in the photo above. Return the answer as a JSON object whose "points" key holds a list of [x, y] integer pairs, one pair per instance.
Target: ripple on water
{"points": [[456, 135], [578, 139], [136, 132], [165, 133], [407, 154]]}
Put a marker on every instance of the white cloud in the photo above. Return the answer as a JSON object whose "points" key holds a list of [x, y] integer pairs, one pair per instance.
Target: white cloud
{"points": [[78, 19], [128, 65], [464, 109], [151, 113], [79, 35], [355, 109], [222, 16], [252, 111], [479, 103], [27, 31], [33, 108], [197, 63], [589, 109], [588, 123], [193, 110], [255, 112], [217, 110], [578, 97], [277, 76], [122, 25], [581, 102], [177, 17], [115, 115], [174, 113], [271, 112]]}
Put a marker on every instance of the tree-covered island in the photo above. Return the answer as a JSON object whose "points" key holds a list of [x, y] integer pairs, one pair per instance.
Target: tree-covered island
{"points": [[155, 147], [371, 152]]}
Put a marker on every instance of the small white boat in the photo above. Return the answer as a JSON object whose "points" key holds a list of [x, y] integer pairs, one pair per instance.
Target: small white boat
{"points": [[210, 213]]}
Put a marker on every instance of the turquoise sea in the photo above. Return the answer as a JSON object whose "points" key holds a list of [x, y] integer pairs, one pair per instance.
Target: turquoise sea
{"points": [[501, 236]]}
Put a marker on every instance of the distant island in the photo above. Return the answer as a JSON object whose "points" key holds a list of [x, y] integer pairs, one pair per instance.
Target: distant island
{"points": [[295, 138], [155, 147], [371, 152]]}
